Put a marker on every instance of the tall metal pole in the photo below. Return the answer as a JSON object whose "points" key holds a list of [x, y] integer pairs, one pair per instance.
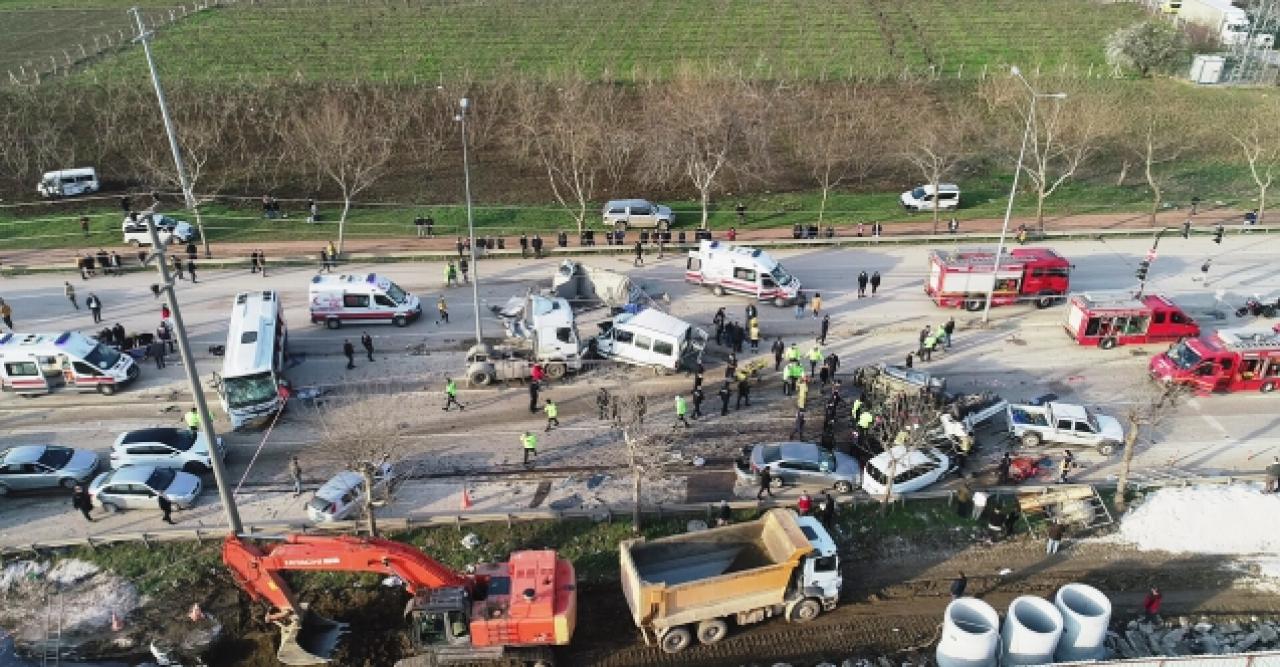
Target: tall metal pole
{"points": [[464, 103], [193, 381], [188, 198], [1008, 211]]}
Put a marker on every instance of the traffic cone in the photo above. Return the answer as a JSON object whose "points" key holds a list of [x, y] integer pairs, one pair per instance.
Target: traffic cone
{"points": [[116, 623], [466, 499], [196, 614]]}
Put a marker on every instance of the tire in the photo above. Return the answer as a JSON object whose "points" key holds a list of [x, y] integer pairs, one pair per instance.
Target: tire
{"points": [[974, 305], [556, 370], [110, 508], [1107, 343], [1268, 311], [106, 389], [775, 482], [676, 640], [806, 610], [400, 321], [1267, 387], [1045, 300], [193, 468], [480, 379], [1107, 448], [332, 323], [67, 483], [1031, 439], [843, 487], [779, 302], [718, 290], [712, 631]]}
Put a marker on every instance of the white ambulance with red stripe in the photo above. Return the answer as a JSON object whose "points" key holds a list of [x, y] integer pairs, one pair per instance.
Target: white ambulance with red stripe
{"points": [[725, 267], [38, 363], [360, 298]]}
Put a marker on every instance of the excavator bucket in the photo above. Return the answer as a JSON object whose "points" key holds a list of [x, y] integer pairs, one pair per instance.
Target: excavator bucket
{"points": [[310, 641]]}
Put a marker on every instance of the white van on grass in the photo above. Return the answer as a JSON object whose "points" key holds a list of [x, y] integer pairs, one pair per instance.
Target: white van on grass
{"points": [[68, 182], [922, 198]]}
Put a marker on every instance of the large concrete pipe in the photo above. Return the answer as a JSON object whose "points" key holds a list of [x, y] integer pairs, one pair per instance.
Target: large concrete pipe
{"points": [[1030, 633], [970, 634], [1086, 612]]}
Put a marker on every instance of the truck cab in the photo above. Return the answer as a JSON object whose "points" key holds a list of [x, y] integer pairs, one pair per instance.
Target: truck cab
{"points": [[1244, 359]]}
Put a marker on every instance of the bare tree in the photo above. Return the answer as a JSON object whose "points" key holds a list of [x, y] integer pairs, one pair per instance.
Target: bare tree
{"points": [[647, 438], [1156, 138], [358, 436], [1152, 403], [939, 138], [837, 133], [906, 421], [1260, 146], [350, 136]]}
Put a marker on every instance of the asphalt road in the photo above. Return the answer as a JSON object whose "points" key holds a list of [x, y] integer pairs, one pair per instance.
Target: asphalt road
{"points": [[1023, 354]]}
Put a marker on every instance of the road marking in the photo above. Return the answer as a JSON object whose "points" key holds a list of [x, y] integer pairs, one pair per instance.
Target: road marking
{"points": [[1213, 421]]}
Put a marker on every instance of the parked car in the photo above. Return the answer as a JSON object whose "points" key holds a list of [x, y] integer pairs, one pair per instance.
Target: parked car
{"points": [[168, 229], [1064, 424], [912, 470], [165, 447], [32, 467], [624, 213], [921, 198], [139, 487], [343, 494], [800, 463]]}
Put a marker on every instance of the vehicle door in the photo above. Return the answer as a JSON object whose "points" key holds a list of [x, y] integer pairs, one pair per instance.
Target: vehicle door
{"points": [[356, 305], [642, 216], [1181, 326], [1065, 431], [744, 279], [141, 496], [1206, 377], [1226, 372], [21, 476], [152, 454], [23, 376], [641, 350], [1083, 433], [86, 375], [383, 303], [796, 471]]}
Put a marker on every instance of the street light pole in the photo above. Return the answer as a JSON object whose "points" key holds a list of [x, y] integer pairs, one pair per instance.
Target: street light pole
{"points": [[464, 103], [193, 381], [1013, 190], [188, 198]]}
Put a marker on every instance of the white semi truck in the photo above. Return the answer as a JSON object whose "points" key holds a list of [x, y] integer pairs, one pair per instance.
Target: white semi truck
{"points": [[1230, 24]]}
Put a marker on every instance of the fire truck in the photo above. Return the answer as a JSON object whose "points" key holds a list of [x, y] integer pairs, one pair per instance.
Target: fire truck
{"points": [[1111, 319], [1243, 359], [962, 278], [32, 364]]}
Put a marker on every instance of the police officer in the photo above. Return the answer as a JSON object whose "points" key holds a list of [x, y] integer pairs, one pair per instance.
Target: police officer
{"points": [[192, 419], [451, 395], [778, 348], [529, 442], [815, 358], [698, 397], [682, 411], [725, 394], [553, 414]]}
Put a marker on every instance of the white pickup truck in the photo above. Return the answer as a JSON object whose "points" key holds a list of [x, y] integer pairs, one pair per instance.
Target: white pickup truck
{"points": [[1064, 424]]}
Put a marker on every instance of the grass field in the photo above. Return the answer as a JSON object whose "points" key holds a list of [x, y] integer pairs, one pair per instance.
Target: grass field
{"points": [[33, 32], [813, 39]]}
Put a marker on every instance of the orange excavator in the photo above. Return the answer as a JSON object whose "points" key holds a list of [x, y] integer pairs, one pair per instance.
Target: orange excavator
{"points": [[511, 613]]}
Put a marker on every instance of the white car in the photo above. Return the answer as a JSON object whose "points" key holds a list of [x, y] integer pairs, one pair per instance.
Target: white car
{"points": [[343, 494], [139, 487], [165, 447], [921, 198], [912, 470], [167, 228]]}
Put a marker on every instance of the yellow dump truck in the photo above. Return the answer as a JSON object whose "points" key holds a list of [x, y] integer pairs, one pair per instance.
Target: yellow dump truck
{"points": [[696, 584]]}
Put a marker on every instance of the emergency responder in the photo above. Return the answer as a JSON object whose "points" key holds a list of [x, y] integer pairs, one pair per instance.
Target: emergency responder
{"points": [[192, 420], [744, 390], [553, 414], [529, 442], [725, 394], [815, 358], [865, 420], [682, 411], [451, 394], [794, 372]]}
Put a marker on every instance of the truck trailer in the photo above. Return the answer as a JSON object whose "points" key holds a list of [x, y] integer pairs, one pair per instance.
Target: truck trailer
{"points": [[696, 584]]}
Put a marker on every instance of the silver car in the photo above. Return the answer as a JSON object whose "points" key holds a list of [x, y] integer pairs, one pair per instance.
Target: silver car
{"points": [[165, 447], [624, 213], [32, 467], [138, 487], [801, 463]]}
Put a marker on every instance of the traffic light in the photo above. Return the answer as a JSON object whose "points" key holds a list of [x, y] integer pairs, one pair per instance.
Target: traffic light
{"points": [[1143, 267], [1217, 233]]}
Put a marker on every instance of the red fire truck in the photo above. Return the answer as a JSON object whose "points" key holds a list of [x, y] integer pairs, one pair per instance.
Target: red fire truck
{"points": [[1116, 318], [964, 277], [1243, 359]]}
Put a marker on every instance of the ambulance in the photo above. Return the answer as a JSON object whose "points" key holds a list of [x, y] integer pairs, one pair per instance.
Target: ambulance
{"points": [[32, 364], [725, 267], [363, 299]]}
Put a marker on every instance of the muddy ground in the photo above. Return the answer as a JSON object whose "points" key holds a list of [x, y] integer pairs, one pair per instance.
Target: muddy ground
{"points": [[893, 603]]}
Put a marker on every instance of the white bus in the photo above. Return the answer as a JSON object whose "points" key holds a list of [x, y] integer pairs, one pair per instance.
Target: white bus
{"points": [[254, 358]]}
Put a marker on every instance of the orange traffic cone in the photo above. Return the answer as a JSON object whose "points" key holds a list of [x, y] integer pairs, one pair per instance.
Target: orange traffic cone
{"points": [[196, 613], [117, 624], [466, 499]]}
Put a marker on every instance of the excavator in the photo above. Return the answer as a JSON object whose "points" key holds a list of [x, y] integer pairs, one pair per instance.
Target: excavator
{"points": [[508, 613]]}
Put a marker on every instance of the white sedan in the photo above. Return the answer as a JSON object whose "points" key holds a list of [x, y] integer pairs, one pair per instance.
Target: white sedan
{"points": [[913, 470]]}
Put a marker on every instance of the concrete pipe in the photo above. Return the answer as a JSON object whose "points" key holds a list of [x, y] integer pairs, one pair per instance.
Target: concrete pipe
{"points": [[970, 634], [1086, 612], [1030, 633]]}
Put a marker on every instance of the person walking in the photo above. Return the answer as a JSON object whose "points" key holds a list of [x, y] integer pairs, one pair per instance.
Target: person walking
{"points": [[1151, 604], [828, 516], [80, 500], [324, 261], [92, 304], [744, 390], [794, 372], [451, 395], [958, 585], [1273, 475], [602, 403], [451, 275], [529, 443], [6, 315], [262, 263], [157, 352], [349, 351], [165, 334], [367, 342], [464, 267], [725, 394], [800, 304], [802, 393], [698, 397], [777, 348], [176, 263], [823, 328], [192, 420], [1068, 462], [191, 270], [253, 262], [553, 415], [1054, 534], [753, 328], [924, 333], [930, 344], [682, 411], [295, 475], [537, 246], [718, 320], [815, 358], [862, 284], [70, 293], [765, 479], [875, 282], [166, 506], [797, 427], [816, 304], [639, 260], [442, 310], [533, 397]]}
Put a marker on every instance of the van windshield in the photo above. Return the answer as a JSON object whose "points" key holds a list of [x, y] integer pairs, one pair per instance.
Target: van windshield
{"points": [[249, 390], [780, 275], [398, 295], [102, 357], [1183, 356]]}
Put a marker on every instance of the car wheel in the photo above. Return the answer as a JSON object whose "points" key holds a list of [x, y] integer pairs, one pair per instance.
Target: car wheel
{"points": [[1031, 439], [1267, 387], [718, 290], [67, 483], [556, 371], [844, 487], [193, 468], [400, 321], [973, 305], [712, 631], [676, 640], [1045, 301], [806, 610], [134, 243], [480, 379], [775, 482], [106, 389], [1107, 448], [110, 508], [333, 323], [1107, 343], [779, 302]]}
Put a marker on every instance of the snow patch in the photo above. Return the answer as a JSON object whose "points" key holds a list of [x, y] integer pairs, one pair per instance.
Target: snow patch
{"points": [[84, 597], [1238, 520], [70, 571], [19, 572]]}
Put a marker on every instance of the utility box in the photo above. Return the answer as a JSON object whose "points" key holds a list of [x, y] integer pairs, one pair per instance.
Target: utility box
{"points": [[1207, 69]]}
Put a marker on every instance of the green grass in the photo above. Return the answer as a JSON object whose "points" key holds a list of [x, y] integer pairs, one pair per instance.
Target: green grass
{"points": [[636, 40], [162, 566], [31, 32]]}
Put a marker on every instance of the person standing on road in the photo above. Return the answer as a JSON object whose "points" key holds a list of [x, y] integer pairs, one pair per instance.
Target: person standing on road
{"points": [[823, 328], [1273, 475], [1068, 462], [1054, 533], [718, 321], [698, 397], [639, 260], [367, 341], [349, 351], [324, 260], [537, 246], [815, 358], [797, 427], [192, 419], [262, 263], [930, 344], [80, 500], [753, 329], [295, 475], [958, 585], [682, 411], [725, 394], [529, 442], [6, 315], [1151, 604], [800, 304], [442, 309], [948, 329], [794, 372], [253, 262], [70, 293], [765, 479], [862, 284], [1002, 468], [464, 267], [451, 395], [602, 403], [802, 393], [524, 247], [176, 263], [817, 304], [778, 348], [553, 415], [533, 398], [828, 516], [744, 390], [191, 270], [157, 352], [165, 508], [875, 282]]}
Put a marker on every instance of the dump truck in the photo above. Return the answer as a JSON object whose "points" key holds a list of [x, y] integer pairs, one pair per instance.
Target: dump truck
{"points": [[695, 584]]}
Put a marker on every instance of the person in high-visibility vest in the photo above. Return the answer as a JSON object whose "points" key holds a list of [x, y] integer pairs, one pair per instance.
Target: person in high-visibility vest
{"points": [[802, 393], [815, 358], [793, 353], [865, 420], [193, 421], [553, 414], [853, 413], [793, 374], [529, 442], [682, 410], [451, 395]]}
